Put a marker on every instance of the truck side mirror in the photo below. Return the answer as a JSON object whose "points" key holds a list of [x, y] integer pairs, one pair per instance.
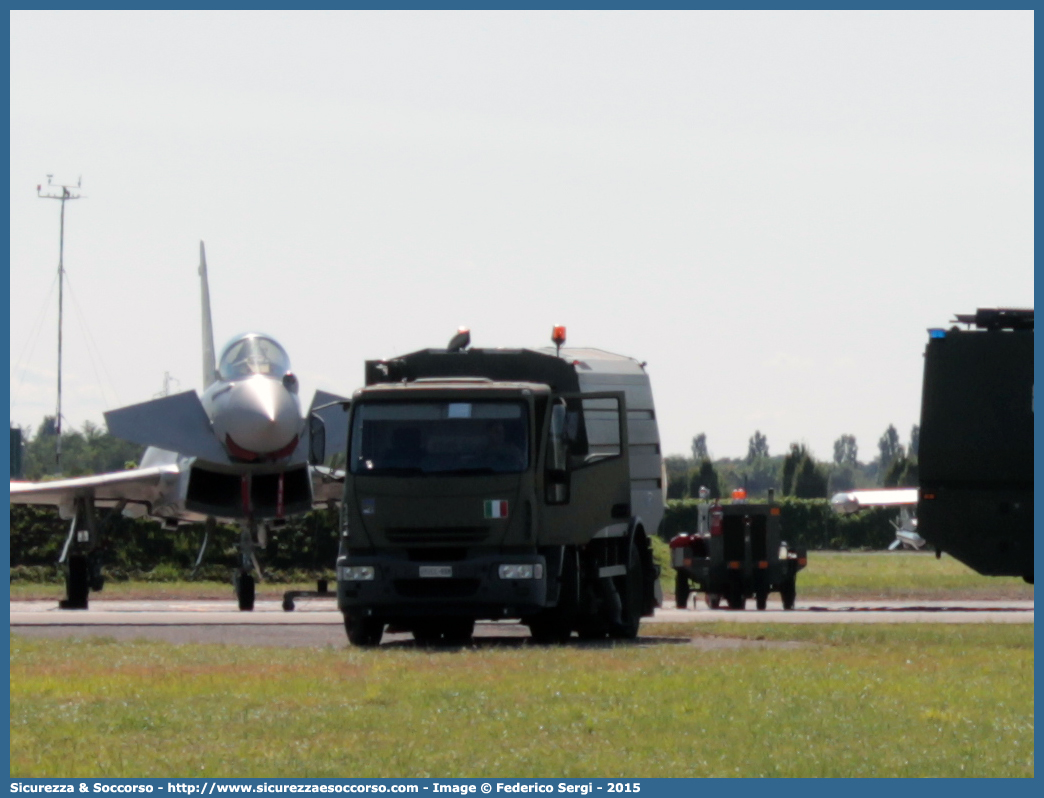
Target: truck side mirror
{"points": [[316, 440]]}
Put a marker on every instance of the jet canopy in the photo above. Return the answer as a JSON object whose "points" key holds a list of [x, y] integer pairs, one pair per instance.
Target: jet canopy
{"points": [[252, 354]]}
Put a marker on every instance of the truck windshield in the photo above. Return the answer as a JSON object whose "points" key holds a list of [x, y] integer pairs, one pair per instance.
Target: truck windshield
{"points": [[431, 437]]}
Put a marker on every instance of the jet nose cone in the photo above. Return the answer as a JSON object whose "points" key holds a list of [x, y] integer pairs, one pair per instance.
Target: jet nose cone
{"points": [[261, 416]]}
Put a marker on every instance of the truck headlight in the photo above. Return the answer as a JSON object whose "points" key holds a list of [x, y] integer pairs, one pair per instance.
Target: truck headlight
{"points": [[356, 573], [534, 571]]}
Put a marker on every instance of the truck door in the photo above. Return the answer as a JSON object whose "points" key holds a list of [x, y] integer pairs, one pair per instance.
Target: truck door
{"points": [[586, 473]]}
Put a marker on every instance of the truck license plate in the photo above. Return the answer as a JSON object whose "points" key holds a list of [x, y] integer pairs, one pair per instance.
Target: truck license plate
{"points": [[436, 571]]}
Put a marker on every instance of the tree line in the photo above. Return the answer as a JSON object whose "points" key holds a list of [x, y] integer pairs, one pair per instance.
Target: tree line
{"points": [[89, 450], [92, 450], [796, 473]]}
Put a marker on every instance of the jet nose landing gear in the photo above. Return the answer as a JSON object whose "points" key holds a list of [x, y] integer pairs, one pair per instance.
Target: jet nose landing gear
{"points": [[243, 579], [244, 584]]}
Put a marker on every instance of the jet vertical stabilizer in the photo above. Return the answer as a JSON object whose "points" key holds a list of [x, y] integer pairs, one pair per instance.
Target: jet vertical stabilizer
{"points": [[209, 359]]}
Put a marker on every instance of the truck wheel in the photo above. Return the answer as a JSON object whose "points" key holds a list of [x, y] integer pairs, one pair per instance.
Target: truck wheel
{"points": [[761, 599], [681, 591], [363, 630], [555, 624], [77, 583], [788, 592], [630, 586], [736, 599], [713, 600]]}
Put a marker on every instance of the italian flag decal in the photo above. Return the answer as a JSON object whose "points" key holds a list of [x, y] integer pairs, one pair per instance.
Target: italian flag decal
{"points": [[494, 508]]}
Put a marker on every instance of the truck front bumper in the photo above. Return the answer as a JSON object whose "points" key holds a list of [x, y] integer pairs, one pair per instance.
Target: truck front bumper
{"points": [[491, 586]]}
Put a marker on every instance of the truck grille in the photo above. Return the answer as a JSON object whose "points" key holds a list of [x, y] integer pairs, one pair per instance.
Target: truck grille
{"points": [[436, 588], [437, 534]]}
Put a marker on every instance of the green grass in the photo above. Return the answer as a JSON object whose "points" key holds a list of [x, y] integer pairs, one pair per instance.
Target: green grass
{"points": [[885, 575], [907, 700], [899, 574]]}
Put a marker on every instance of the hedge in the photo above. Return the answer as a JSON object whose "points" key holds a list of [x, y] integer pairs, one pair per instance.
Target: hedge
{"points": [[145, 549], [803, 522]]}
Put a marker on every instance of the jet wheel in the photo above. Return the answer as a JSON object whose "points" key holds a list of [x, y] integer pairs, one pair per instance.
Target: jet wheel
{"points": [[245, 592], [77, 583]]}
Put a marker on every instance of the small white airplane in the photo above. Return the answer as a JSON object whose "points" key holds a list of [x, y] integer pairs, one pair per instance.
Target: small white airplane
{"points": [[239, 454], [905, 530]]}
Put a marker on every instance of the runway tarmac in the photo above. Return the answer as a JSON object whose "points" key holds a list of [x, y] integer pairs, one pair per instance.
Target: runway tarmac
{"points": [[316, 622]]}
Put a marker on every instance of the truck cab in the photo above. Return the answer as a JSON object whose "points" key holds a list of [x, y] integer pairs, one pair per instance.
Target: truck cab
{"points": [[488, 484]]}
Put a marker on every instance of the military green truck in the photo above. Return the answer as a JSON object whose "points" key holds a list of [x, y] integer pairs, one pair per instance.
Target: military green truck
{"points": [[976, 443], [497, 484], [735, 554]]}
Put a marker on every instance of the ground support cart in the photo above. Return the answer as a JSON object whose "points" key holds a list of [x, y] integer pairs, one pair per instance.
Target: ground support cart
{"points": [[736, 554]]}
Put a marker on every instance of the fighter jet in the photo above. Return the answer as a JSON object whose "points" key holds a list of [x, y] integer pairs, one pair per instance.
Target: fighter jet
{"points": [[238, 454], [905, 528]]}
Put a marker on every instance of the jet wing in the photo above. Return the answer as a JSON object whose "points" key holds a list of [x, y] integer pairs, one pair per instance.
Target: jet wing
{"points": [[855, 500], [177, 423], [138, 485]]}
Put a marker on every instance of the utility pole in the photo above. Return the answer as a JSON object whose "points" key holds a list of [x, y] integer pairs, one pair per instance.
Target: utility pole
{"points": [[167, 380], [66, 194]]}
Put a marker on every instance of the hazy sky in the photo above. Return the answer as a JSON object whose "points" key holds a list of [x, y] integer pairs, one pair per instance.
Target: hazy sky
{"points": [[770, 208]]}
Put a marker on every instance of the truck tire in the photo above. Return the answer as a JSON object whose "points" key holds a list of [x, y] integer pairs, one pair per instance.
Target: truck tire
{"points": [[555, 624], [788, 593], [761, 599], [681, 591], [631, 588], [736, 599], [713, 600], [363, 630]]}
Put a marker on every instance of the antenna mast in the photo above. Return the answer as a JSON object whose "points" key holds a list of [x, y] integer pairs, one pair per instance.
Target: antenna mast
{"points": [[67, 193]]}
